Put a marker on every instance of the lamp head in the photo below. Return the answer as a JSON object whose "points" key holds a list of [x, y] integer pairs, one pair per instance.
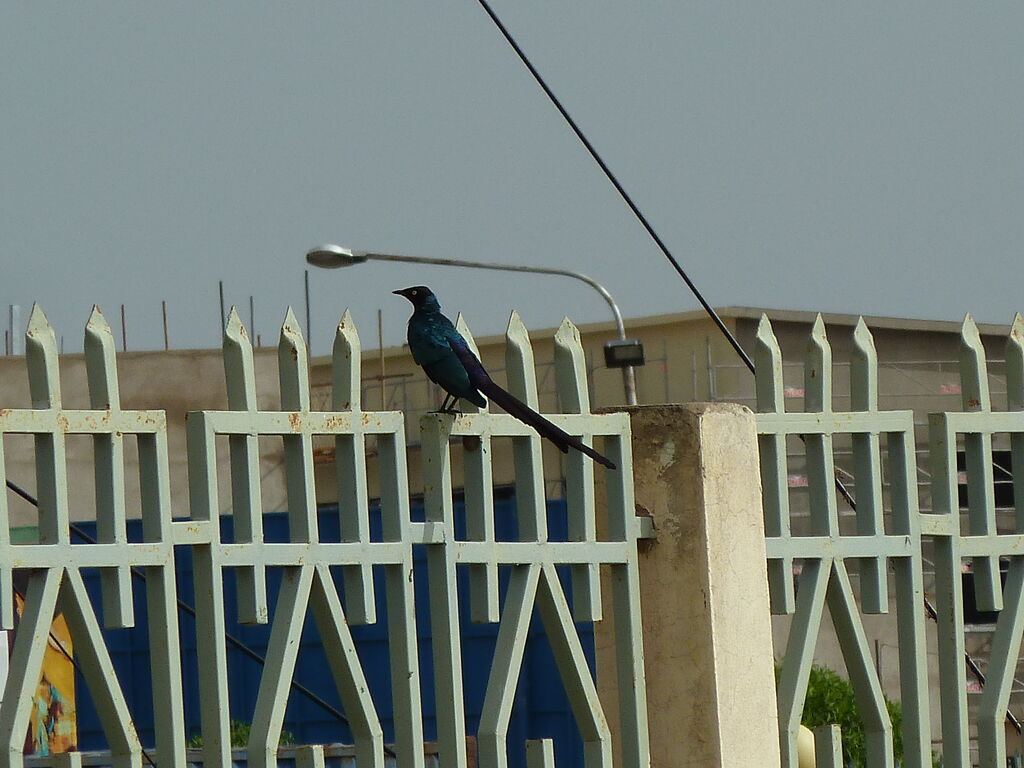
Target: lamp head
{"points": [[332, 256]]}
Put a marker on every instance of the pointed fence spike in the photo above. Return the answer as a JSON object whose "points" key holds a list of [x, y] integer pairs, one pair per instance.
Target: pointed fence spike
{"points": [[41, 357], [514, 320], [101, 362], [1015, 365], [818, 370], [863, 370], [239, 366], [519, 364], [768, 369], [581, 512], [567, 332], [37, 319], [463, 327], [97, 322], [571, 369], [346, 366], [973, 368], [234, 328], [290, 327], [293, 365]]}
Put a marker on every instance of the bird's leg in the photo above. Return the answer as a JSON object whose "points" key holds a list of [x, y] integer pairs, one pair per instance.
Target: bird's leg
{"points": [[451, 405]]}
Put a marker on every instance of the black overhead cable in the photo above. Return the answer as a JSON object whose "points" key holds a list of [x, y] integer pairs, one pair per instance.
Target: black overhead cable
{"points": [[842, 489], [618, 187], [636, 211]]}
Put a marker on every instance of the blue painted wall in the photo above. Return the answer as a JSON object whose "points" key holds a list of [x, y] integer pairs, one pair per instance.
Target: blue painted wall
{"points": [[541, 709]]}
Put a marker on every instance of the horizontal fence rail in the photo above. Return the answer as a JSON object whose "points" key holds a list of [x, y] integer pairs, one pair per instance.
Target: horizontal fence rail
{"points": [[810, 572], [53, 566]]}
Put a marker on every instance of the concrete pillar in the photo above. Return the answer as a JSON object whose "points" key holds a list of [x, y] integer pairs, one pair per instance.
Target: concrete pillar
{"points": [[704, 590]]}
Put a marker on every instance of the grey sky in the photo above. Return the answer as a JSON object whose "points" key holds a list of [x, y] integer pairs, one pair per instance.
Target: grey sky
{"points": [[862, 157]]}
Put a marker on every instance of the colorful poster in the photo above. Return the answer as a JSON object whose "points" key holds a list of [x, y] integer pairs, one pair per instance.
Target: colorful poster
{"points": [[52, 724], [5, 656]]}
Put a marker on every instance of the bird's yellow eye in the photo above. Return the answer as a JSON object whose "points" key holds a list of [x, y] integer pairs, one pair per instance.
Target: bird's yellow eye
{"points": [[415, 292]]}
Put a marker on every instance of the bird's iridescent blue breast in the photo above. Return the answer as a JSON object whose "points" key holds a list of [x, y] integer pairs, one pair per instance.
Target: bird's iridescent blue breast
{"points": [[429, 336]]}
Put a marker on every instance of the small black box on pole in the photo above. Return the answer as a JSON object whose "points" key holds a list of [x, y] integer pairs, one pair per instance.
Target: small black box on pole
{"points": [[622, 353]]}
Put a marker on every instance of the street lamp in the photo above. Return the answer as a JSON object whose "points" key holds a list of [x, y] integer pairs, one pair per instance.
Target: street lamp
{"points": [[623, 353]]}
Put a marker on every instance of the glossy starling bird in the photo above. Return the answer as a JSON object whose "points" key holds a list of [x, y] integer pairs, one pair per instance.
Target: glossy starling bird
{"points": [[448, 361]]}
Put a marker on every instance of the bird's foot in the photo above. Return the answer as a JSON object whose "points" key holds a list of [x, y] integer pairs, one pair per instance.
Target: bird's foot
{"points": [[448, 411]]}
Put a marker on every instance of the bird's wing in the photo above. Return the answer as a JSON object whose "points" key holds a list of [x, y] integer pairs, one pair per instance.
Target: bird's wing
{"points": [[457, 343], [428, 341]]}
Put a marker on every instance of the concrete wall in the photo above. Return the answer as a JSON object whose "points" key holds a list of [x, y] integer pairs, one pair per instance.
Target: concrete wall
{"points": [[704, 590]]}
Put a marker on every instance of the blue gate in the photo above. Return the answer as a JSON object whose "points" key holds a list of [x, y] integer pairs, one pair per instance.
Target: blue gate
{"points": [[541, 709]]}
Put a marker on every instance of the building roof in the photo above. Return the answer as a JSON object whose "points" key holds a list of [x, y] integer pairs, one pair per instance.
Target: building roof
{"points": [[739, 313], [873, 321]]}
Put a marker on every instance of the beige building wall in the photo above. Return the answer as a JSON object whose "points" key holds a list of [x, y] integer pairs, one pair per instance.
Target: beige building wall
{"points": [[687, 360], [677, 347], [180, 381], [176, 382]]}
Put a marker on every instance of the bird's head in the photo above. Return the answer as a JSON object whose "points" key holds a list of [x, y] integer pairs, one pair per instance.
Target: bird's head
{"points": [[420, 296]]}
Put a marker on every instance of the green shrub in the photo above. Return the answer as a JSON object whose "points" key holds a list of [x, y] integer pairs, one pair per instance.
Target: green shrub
{"points": [[240, 736], [830, 699]]}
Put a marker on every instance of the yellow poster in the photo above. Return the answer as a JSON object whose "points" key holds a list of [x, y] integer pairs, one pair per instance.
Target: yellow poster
{"points": [[52, 724]]}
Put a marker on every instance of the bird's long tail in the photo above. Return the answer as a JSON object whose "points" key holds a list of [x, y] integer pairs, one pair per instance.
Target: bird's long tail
{"points": [[480, 379], [516, 407]]}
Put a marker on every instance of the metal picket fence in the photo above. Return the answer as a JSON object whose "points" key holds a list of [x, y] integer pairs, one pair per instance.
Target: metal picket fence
{"points": [[810, 571], [55, 565]]}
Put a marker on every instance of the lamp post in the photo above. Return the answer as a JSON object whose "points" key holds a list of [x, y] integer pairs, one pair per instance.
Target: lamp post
{"points": [[623, 353]]}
